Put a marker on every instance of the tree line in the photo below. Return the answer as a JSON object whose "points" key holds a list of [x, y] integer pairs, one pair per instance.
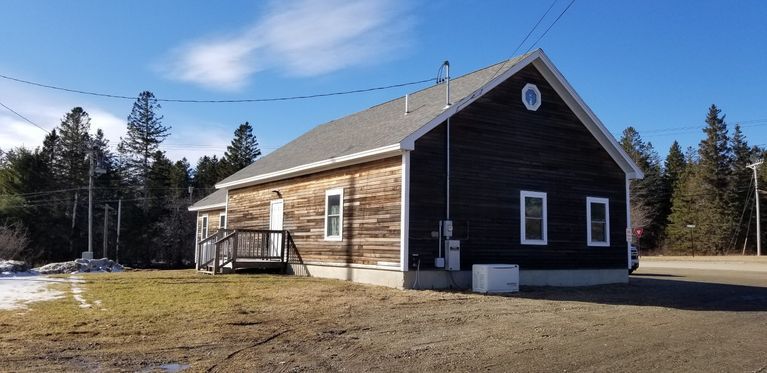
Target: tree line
{"points": [[44, 191], [44, 196], [698, 199]]}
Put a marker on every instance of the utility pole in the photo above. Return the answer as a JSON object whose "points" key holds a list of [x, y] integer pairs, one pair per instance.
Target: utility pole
{"points": [[106, 228], [74, 212], [91, 171], [117, 244], [753, 166]]}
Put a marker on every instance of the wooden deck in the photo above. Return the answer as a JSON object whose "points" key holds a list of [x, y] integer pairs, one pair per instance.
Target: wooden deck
{"points": [[229, 250]]}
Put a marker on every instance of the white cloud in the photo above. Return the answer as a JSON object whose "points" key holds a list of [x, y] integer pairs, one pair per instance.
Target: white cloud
{"points": [[47, 110], [299, 37]]}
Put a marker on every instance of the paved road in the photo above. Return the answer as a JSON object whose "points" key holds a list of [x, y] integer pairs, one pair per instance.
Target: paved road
{"points": [[731, 272], [736, 264], [701, 286]]}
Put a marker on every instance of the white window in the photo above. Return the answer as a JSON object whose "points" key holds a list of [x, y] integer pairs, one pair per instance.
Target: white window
{"points": [[222, 221], [204, 227], [533, 218], [597, 221], [334, 214]]}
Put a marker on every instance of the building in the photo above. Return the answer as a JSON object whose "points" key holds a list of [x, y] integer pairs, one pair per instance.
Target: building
{"points": [[506, 164]]}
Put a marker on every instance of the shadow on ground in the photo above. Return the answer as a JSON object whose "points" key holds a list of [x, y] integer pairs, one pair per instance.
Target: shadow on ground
{"points": [[661, 292]]}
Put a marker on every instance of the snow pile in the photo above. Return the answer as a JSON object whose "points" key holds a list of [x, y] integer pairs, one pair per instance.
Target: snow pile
{"points": [[80, 266], [14, 268]]}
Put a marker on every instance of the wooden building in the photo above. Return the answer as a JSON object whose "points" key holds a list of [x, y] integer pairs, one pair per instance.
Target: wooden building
{"points": [[503, 165]]}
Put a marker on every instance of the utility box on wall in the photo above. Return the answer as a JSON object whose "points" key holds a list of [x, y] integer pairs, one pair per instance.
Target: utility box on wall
{"points": [[453, 254]]}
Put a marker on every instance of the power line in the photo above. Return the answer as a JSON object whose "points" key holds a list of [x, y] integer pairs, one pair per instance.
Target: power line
{"points": [[550, 26], [209, 101], [533, 29], [528, 35], [23, 117]]}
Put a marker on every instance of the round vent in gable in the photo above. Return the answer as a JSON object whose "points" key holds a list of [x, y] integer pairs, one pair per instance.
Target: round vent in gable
{"points": [[531, 97]]}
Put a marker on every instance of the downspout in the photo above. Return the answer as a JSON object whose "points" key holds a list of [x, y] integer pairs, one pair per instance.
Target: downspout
{"points": [[447, 174], [628, 221]]}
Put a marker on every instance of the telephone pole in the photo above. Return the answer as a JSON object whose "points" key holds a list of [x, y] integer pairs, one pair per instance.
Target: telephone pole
{"points": [[91, 171], [754, 166], [117, 244]]}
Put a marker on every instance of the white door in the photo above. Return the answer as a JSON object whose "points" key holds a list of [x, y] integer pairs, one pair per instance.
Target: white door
{"points": [[275, 224]]}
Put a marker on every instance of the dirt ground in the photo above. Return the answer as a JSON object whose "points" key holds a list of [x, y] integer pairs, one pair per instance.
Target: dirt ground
{"points": [[665, 320]]}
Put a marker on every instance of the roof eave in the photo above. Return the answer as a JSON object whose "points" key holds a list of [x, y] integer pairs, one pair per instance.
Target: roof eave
{"points": [[327, 164], [216, 206]]}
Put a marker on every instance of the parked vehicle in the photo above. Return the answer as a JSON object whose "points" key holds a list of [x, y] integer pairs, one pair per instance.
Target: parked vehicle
{"points": [[634, 259]]}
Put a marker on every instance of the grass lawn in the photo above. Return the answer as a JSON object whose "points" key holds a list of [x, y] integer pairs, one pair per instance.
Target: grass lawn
{"points": [[142, 320]]}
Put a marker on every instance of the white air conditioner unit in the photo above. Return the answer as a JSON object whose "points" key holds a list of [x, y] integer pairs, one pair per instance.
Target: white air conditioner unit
{"points": [[495, 278]]}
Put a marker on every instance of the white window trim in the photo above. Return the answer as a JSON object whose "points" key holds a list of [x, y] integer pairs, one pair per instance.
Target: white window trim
{"points": [[606, 202], [222, 215], [205, 221], [328, 193], [523, 240]]}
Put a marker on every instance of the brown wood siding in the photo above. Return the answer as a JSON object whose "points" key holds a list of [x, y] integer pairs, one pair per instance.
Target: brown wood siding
{"points": [[498, 148], [213, 220], [371, 215]]}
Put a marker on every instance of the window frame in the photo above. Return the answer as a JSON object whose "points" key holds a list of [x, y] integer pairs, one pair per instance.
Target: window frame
{"points": [[222, 216], [522, 218], [205, 221], [606, 203], [328, 193]]}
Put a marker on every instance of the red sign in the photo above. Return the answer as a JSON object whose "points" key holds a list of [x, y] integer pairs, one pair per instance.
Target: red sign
{"points": [[639, 232]]}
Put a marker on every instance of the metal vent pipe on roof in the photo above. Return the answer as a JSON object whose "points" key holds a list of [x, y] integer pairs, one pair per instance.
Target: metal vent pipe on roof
{"points": [[446, 65], [407, 109]]}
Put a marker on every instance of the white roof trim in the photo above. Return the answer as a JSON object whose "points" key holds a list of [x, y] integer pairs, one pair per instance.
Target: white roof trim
{"points": [[563, 88], [208, 207], [584, 113], [345, 160]]}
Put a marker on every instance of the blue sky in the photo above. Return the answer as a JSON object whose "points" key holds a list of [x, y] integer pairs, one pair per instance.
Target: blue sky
{"points": [[656, 65]]}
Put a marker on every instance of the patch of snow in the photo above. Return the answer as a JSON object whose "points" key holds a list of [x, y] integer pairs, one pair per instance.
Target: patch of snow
{"points": [[17, 292]]}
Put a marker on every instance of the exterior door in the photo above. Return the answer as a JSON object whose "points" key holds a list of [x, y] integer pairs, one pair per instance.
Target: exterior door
{"points": [[275, 224]]}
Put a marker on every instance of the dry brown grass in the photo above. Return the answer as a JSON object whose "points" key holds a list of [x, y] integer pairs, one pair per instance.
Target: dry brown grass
{"points": [[282, 323]]}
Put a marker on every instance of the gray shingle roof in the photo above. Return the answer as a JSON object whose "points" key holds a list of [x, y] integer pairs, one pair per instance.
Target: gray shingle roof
{"points": [[379, 126], [211, 200]]}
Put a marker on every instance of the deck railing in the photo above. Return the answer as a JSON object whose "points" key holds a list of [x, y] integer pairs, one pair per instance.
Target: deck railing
{"points": [[226, 247]]}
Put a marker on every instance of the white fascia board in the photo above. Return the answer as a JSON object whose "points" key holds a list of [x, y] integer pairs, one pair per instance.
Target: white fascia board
{"points": [[584, 113], [408, 143], [207, 207], [309, 168]]}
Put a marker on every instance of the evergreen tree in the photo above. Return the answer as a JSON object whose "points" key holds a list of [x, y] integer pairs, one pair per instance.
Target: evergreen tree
{"points": [[675, 165], [241, 152], [70, 158], [207, 173], [144, 135], [740, 179], [647, 204], [715, 155], [701, 199]]}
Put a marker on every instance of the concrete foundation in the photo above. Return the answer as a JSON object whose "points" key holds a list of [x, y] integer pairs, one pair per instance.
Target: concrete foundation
{"points": [[456, 280], [573, 277], [562, 277], [373, 276]]}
